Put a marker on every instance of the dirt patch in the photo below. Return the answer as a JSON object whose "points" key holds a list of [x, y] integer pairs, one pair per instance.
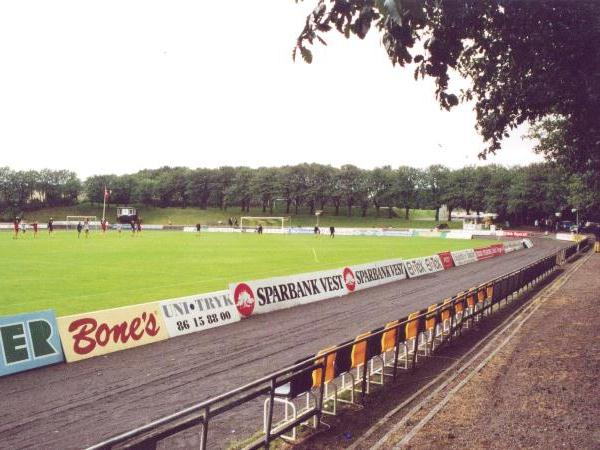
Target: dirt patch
{"points": [[542, 389]]}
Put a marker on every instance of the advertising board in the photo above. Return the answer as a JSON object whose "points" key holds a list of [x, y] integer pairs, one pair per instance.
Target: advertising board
{"points": [[101, 332], [565, 237], [446, 258], [417, 267], [509, 233], [373, 274], [198, 312], [462, 257], [511, 246], [29, 341], [489, 252], [271, 294]]}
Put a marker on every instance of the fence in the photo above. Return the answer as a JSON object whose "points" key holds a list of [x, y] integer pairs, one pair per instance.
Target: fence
{"points": [[418, 334]]}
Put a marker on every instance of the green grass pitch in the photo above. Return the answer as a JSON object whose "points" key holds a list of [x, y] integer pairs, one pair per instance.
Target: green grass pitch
{"points": [[72, 275]]}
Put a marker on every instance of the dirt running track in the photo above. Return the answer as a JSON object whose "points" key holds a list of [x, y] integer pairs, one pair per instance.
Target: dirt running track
{"points": [[75, 405]]}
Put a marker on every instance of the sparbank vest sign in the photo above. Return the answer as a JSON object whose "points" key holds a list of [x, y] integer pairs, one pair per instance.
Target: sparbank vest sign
{"points": [[262, 296]]}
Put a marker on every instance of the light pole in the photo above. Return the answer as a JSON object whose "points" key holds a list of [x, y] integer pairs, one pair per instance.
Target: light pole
{"points": [[318, 214], [575, 210]]}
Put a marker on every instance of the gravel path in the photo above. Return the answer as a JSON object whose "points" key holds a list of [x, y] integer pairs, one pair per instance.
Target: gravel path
{"points": [[543, 389]]}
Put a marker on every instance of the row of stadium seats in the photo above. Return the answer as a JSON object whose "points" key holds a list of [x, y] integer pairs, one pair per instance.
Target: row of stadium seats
{"points": [[375, 356]]}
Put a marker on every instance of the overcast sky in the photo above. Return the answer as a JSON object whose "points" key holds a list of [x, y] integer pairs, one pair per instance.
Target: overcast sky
{"points": [[117, 86]]}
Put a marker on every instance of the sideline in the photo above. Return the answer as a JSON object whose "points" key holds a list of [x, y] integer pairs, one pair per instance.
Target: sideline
{"points": [[523, 313]]}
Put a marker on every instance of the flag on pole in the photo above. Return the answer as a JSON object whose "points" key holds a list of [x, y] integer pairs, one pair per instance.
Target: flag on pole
{"points": [[106, 193]]}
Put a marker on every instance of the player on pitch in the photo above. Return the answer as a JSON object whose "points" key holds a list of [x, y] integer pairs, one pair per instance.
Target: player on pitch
{"points": [[86, 227], [16, 228]]}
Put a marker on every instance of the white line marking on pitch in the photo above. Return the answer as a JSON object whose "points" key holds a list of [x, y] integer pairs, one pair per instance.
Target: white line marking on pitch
{"points": [[315, 253]]}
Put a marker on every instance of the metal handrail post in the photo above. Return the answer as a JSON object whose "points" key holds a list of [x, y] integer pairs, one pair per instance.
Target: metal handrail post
{"points": [[204, 436], [396, 353], [270, 416]]}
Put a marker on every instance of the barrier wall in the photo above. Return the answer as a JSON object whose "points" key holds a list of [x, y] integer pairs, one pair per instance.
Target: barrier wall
{"points": [[29, 341], [194, 313], [102, 332], [110, 330]]}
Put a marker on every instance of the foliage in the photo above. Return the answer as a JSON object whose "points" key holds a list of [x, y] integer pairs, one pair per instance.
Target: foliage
{"points": [[518, 194], [526, 60]]}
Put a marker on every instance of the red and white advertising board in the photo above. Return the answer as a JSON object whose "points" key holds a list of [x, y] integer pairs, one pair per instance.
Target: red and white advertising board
{"points": [[509, 233], [489, 252], [368, 275], [462, 257], [417, 267], [101, 332], [271, 294], [446, 258]]}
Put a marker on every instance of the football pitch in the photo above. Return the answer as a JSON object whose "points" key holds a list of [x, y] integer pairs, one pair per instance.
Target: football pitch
{"points": [[72, 275]]}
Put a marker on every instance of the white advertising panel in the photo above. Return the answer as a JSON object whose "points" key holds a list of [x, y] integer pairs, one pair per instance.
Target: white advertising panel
{"points": [[422, 266], [511, 246], [565, 237], [462, 257], [373, 274], [459, 234], [263, 296], [198, 312]]}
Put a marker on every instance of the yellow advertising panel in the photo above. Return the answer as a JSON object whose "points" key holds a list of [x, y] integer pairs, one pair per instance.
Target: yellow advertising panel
{"points": [[101, 332]]}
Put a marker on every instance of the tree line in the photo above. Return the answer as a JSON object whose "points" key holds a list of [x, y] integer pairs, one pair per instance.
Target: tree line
{"points": [[518, 194]]}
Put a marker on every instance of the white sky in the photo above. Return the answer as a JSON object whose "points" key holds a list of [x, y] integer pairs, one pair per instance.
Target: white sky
{"points": [[115, 86]]}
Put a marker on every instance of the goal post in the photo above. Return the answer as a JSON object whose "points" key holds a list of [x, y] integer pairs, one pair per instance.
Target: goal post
{"points": [[250, 222], [72, 221]]}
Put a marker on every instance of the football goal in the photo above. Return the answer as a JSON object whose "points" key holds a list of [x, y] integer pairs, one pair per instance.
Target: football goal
{"points": [[274, 223], [72, 222]]}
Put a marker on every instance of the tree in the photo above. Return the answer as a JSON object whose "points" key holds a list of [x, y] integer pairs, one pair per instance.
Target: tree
{"points": [[94, 187], [406, 187], [435, 179], [525, 59], [381, 185], [198, 187], [350, 183]]}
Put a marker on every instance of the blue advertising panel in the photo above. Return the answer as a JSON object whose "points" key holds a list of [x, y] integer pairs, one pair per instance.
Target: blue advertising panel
{"points": [[28, 341]]}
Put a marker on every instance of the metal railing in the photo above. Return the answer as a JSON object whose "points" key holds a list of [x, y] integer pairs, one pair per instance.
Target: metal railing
{"points": [[503, 286]]}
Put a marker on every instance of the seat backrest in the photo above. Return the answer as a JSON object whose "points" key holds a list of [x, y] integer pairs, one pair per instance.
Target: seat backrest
{"points": [[432, 317], [343, 359], [374, 343], [413, 327], [329, 361], [359, 350], [489, 290], [388, 338], [481, 294], [471, 297], [446, 312], [301, 382], [459, 303]]}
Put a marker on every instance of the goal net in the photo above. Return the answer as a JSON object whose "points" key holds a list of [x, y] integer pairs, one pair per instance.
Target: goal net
{"points": [[248, 223], [72, 222]]}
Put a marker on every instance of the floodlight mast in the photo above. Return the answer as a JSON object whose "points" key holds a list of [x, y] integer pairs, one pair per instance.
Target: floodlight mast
{"points": [[318, 214]]}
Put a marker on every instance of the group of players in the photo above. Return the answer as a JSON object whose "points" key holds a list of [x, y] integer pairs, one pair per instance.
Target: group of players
{"points": [[20, 226], [317, 231]]}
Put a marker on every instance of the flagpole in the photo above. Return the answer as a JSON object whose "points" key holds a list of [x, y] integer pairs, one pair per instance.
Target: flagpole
{"points": [[104, 204]]}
